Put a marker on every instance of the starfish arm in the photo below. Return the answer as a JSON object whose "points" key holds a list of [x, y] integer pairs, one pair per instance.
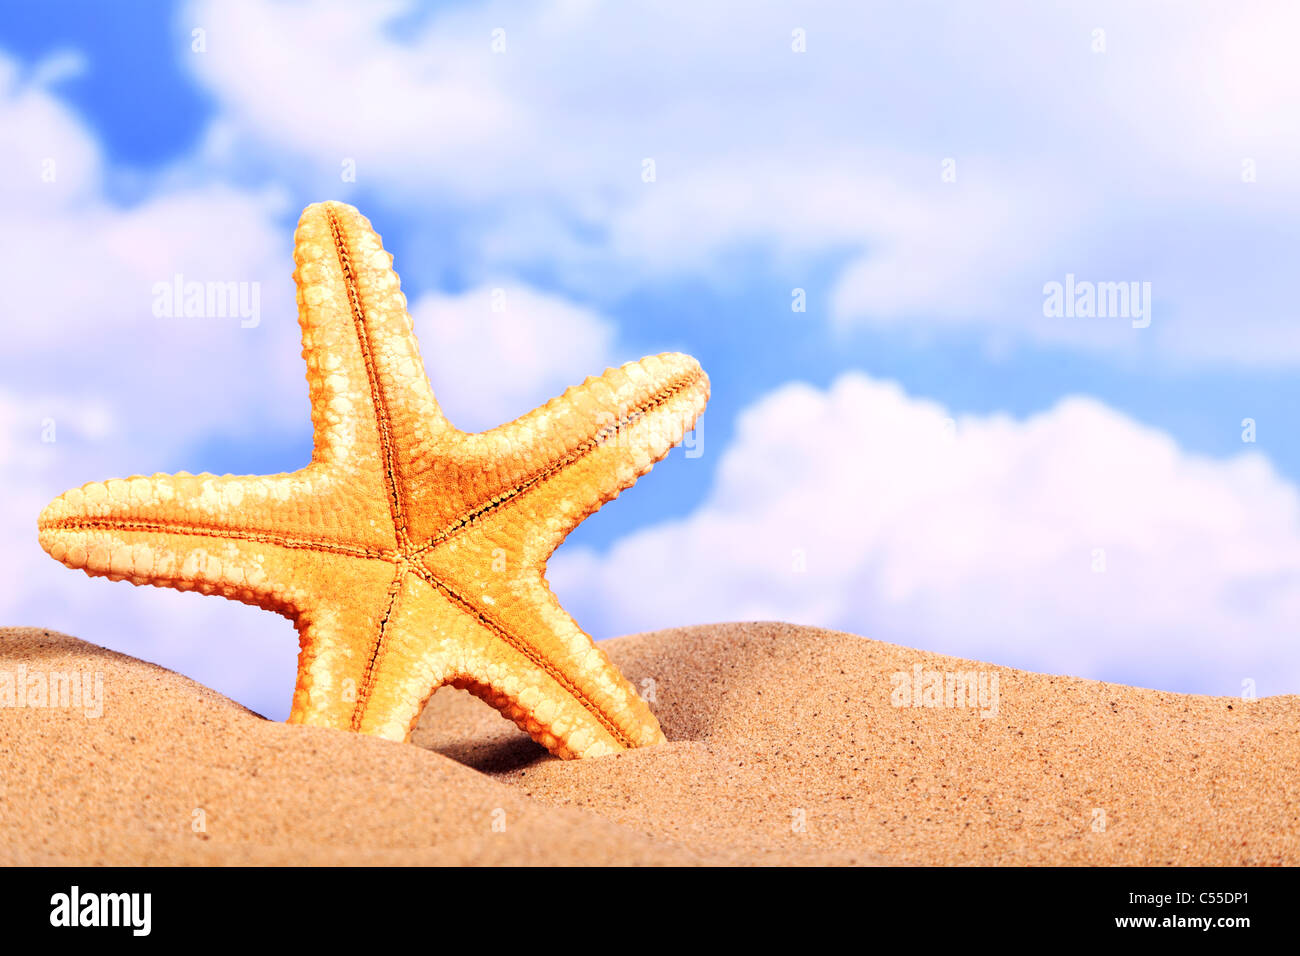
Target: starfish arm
{"points": [[421, 647], [528, 658], [644, 431], [341, 633], [372, 406], [153, 531], [314, 507], [565, 459]]}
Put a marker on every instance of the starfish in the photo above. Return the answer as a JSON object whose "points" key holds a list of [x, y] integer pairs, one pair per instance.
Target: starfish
{"points": [[409, 554]]}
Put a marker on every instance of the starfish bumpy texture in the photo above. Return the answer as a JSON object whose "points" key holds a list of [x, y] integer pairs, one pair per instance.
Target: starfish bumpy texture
{"points": [[409, 554]]}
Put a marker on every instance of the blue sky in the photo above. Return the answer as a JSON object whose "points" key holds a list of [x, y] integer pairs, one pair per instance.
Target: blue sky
{"points": [[1115, 156]]}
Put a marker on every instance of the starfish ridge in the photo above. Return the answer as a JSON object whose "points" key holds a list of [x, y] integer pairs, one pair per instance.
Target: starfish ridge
{"points": [[409, 554]]}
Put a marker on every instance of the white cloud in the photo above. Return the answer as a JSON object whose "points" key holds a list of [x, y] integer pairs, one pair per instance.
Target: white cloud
{"points": [[976, 539], [44, 441], [38, 136], [80, 271], [119, 390], [1067, 160], [330, 80], [498, 351]]}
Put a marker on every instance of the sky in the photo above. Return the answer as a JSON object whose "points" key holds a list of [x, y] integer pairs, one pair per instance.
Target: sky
{"points": [[852, 214]]}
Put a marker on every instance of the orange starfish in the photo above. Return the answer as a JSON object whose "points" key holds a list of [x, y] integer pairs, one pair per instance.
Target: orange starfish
{"points": [[409, 554]]}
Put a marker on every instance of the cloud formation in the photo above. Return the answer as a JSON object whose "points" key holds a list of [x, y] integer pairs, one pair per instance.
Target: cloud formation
{"points": [[1076, 143], [498, 351], [1075, 541], [80, 272], [977, 541]]}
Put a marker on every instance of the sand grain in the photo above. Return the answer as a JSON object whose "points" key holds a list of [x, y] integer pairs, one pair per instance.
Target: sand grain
{"points": [[785, 748]]}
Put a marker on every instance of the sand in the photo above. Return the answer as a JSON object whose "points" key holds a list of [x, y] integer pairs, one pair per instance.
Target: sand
{"points": [[785, 748]]}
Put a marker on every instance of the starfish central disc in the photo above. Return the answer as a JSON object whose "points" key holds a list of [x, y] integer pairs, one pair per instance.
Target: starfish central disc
{"points": [[409, 554]]}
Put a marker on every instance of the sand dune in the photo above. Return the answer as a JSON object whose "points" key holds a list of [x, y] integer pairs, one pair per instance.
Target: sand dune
{"points": [[785, 748]]}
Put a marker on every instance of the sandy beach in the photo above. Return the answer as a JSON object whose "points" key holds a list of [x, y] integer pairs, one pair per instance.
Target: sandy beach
{"points": [[788, 745]]}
